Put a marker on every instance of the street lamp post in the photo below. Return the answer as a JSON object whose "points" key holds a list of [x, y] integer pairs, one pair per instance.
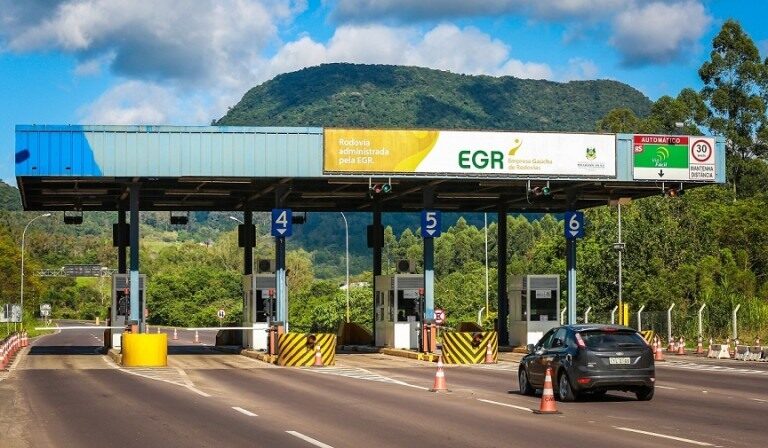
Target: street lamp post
{"points": [[23, 237], [346, 234]]}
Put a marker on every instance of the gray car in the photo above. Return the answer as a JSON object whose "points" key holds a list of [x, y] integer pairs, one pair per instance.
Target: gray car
{"points": [[590, 359]]}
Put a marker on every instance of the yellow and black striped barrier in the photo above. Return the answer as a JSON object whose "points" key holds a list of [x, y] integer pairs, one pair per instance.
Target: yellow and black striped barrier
{"points": [[647, 335], [469, 348], [298, 349]]}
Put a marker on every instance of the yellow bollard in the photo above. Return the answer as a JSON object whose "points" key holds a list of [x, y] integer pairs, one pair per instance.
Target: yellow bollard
{"points": [[145, 350]]}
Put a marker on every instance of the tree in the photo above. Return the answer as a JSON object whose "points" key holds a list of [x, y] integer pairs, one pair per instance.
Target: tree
{"points": [[735, 91]]}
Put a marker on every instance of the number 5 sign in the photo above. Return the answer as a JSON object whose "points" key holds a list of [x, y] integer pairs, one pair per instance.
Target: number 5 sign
{"points": [[430, 223], [574, 225]]}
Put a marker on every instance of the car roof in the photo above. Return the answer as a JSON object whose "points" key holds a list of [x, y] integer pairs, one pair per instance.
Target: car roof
{"points": [[594, 327]]}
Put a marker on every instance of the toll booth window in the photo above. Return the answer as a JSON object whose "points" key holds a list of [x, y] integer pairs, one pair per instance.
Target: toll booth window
{"points": [[391, 306], [406, 306], [544, 305]]}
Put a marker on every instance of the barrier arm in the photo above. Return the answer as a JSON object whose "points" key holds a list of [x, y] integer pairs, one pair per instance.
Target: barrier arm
{"points": [[669, 322], [704, 305], [640, 318], [613, 314]]}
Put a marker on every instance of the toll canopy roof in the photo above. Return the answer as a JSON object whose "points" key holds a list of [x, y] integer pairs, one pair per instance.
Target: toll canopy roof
{"points": [[317, 169]]}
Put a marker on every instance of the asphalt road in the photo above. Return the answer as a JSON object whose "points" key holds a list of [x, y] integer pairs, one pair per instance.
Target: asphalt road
{"points": [[64, 392]]}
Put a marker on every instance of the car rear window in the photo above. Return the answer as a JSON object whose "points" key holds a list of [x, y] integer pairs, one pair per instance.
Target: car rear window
{"points": [[598, 339]]}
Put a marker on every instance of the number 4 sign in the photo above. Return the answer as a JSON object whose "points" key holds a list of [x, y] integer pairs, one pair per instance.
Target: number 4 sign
{"points": [[574, 225], [282, 222]]}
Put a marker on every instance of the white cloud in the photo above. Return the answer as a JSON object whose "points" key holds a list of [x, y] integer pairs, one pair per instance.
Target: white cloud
{"points": [[196, 42], [132, 102], [580, 69], [659, 32], [446, 47]]}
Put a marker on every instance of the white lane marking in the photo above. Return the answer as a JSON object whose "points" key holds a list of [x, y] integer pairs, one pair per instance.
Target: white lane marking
{"points": [[712, 368], [758, 399], [360, 374], [309, 439], [666, 387], [175, 376], [505, 405], [663, 436], [244, 411]]}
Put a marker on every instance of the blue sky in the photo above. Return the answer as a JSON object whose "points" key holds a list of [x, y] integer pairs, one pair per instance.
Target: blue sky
{"points": [[186, 61]]}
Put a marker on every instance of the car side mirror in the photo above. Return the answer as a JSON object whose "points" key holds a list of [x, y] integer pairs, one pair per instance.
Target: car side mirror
{"points": [[530, 348]]}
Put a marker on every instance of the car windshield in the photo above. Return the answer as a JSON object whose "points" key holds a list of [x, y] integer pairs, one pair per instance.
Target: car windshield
{"points": [[601, 339]]}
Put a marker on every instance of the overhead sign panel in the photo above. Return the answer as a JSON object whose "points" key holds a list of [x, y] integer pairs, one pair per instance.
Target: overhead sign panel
{"points": [[673, 157], [468, 153]]}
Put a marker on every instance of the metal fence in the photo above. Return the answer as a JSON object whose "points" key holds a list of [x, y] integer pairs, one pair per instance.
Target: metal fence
{"points": [[716, 322]]}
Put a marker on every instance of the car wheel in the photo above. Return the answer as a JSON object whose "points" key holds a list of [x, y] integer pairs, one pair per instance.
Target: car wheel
{"points": [[525, 385], [564, 388], [644, 393]]}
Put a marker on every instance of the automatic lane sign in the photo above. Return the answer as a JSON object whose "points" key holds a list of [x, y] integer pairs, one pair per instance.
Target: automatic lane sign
{"points": [[430, 223], [439, 316], [282, 222], [574, 225], [221, 314], [673, 158]]}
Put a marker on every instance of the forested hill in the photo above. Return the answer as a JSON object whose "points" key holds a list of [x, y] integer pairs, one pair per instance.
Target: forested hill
{"points": [[394, 96], [9, 197]]}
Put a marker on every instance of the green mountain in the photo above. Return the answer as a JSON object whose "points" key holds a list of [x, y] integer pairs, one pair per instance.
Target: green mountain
{"points": [[9, 197], [395, 96]]}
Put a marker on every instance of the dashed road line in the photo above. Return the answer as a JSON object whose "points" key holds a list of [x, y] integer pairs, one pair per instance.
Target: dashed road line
{"points": [[760, 400], [521, 408], [665, 387], [244, 411], [309, 439], [663, 436]]}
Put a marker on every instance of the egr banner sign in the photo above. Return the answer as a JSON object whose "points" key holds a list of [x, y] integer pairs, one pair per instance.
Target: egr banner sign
{"points": [[468, 153]]}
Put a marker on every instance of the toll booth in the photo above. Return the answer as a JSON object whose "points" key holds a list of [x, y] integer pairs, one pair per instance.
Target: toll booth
{"points": [[534, 307], [120, 313], [259, 308], [398, 310]]}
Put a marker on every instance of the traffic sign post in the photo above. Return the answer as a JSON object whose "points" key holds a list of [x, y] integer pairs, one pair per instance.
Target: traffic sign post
{"points": [[430, 223], [574, 229], [282, 222], [221, 314]]}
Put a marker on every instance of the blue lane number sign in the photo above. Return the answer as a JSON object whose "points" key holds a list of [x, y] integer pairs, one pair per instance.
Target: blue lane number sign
{"points": [[282, 222], [574, 225], [430, 223]]}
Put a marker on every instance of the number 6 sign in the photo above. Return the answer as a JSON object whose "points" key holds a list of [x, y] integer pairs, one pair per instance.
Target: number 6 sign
{"points": [[574, 225]]}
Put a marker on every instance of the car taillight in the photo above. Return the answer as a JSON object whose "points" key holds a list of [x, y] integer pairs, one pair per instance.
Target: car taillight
{"points": [[580, 341], [584, 380]]}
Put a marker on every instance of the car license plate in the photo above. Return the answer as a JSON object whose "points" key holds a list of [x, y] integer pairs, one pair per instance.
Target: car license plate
{"points": [[621, 360]]}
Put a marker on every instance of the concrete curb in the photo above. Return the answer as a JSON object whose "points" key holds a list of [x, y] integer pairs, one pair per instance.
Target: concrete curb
{"points": [[116, 356], [264, 357]]}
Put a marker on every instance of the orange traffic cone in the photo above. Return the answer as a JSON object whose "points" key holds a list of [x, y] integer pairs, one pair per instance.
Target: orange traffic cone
{"points": [[175, 335], [681, 346], [318, 357], [671, 346], [659, 353], [489, 355], [699, 347], [440, 384], [548, 405]]}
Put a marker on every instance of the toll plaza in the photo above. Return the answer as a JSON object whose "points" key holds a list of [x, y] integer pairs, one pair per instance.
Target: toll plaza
{"points": [[286, 171]]}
